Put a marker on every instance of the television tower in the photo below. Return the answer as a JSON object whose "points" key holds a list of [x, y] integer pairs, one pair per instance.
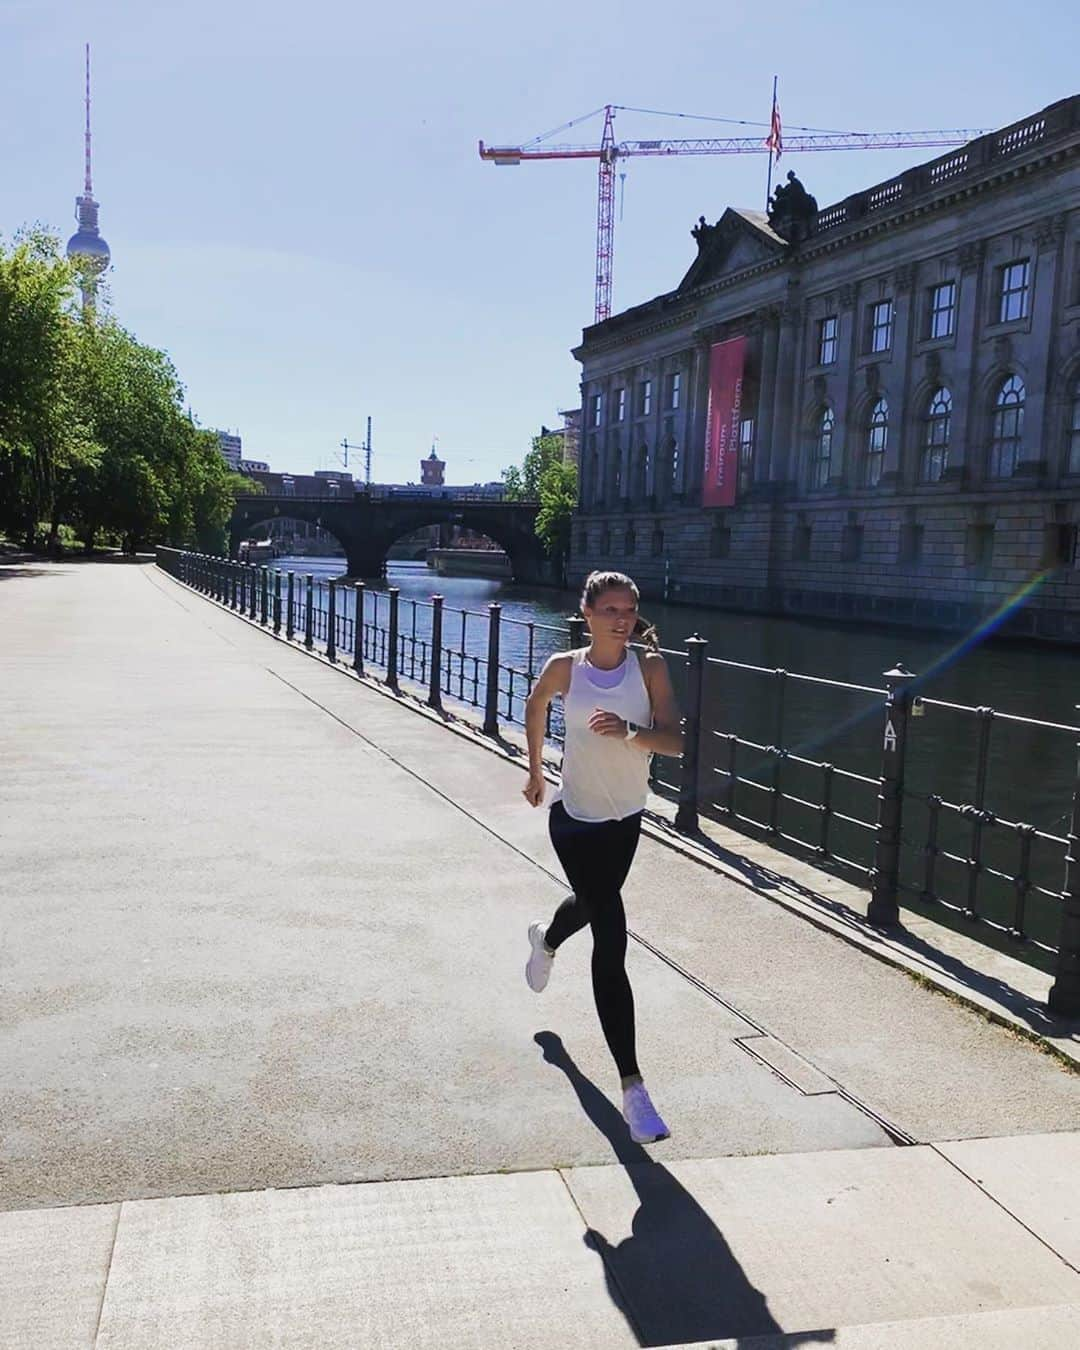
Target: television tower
{"points": [[86, 248]]}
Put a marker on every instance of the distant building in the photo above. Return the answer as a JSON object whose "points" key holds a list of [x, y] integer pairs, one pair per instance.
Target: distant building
{"points": [[571, 434], [867, 411], [250, 466], [229, 445], [432, 470]]}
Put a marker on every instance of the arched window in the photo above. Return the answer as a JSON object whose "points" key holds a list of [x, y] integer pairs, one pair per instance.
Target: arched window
{"points": [[821, 452], [936, 429], [876, 440], [1073, 461], [1007, 430]]}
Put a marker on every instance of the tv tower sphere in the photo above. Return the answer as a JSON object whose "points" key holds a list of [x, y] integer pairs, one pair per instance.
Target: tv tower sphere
{"points": [[86, 246]]}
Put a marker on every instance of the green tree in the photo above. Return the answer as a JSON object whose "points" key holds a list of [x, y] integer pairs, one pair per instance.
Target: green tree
{"points": [[547, 478], [44, 443]]}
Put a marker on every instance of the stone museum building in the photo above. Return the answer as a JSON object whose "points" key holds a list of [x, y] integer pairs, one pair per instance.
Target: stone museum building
{"points": [[869, 410]]}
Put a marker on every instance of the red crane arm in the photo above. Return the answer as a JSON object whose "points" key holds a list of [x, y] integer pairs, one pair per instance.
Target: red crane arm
{"points": [[735, 145]]}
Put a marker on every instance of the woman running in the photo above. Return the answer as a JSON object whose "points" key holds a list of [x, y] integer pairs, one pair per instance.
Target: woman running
{"points": [[618, 708]]}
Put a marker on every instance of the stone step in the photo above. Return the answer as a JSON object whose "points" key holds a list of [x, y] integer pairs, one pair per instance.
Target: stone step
{"points": [[1051, 1328]]}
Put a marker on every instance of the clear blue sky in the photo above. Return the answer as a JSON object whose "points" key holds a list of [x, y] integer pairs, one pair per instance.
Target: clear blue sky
{"points": [[298, 215]]}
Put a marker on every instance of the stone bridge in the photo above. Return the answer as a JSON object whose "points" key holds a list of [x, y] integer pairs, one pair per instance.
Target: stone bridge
{"points": [[366, 526]]}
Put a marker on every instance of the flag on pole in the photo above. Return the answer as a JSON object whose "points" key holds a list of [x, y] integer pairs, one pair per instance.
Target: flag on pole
{"points": [[775, 139]]}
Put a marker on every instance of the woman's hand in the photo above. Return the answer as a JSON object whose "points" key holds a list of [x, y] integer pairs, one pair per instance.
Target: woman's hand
{"points": [[607, 724], [533, 791]]}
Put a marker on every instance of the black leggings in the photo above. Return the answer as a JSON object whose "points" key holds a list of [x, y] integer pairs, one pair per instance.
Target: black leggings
{"points": [[596, 858]]}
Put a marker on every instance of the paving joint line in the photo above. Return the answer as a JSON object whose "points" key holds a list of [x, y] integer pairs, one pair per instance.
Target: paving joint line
{"points": [[1004, 1208], [108, 1272]]}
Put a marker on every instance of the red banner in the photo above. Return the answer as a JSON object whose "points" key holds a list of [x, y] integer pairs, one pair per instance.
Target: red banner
{"points": [[722, 426]]}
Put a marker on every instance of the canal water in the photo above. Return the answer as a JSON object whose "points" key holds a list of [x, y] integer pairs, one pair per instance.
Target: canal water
{"points": [[1028, 771]]}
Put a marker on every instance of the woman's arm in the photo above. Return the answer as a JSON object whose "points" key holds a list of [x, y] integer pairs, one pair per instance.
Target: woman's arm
{"points": [[554, 679]]}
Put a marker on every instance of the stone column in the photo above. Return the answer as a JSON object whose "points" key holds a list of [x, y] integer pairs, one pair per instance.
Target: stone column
{"points": [[905, 321], [1035, 453], [763, 429], [784, 459], [965, 419]]}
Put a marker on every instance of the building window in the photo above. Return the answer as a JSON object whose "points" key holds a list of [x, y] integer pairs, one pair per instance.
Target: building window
{"points": [[1015, 291], [935, 446], [644, 398], [1008, 428], [800, 543], [876, 442], [881, 321], [979, 550], [288, 486], [641, 479], [620, 405], [851, 541], [911, 543], [630, 542], [821, 454], [1073, 461], [657, 542], [746, 455], [597, 409], [605, 541], [673, 459], [674, 390], [943, 310], [583, 542], [828, 338], [720, 541]]}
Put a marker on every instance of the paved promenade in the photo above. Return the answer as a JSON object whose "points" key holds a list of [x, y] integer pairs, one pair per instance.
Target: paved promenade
{"points": [[270, 1074]]}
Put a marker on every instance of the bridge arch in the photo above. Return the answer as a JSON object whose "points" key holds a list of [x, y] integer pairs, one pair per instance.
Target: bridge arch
{"points": [[366, 526]]}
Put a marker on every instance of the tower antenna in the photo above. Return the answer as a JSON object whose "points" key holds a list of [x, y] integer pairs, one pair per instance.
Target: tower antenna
{"points": [[88, 186], [86, 247]]}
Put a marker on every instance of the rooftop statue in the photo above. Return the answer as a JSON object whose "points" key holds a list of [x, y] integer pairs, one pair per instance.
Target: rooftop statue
{"points": [[792, 210]]}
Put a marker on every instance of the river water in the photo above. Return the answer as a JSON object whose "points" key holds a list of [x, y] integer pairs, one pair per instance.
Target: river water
{"points": [[1029, 771]]}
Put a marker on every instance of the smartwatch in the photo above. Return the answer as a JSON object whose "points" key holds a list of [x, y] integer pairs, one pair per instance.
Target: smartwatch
{"points": [[632, 730]]}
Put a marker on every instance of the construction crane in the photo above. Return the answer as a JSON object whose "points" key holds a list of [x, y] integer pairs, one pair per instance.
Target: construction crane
{"points": [[610, 151]]}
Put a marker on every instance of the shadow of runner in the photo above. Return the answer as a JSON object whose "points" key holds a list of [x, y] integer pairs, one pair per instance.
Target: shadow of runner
{"points": [[675, 1280]]}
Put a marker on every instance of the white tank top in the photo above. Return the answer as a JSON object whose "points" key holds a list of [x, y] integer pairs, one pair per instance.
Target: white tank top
{"points": [[604, 777]]}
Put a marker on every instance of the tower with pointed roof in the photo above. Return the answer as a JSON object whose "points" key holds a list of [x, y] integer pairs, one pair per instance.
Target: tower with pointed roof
{"points": [[86, 248]]}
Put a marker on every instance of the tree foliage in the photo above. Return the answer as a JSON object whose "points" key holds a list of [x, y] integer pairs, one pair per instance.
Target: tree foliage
{"points": [[552, 481], [93, 433]]}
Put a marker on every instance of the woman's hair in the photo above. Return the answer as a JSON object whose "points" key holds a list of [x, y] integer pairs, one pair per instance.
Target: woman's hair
{"points": [[596, 583]]}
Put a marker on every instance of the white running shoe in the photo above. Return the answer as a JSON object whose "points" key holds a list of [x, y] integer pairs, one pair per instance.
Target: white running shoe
{"points": [[646, 1127], [538, 966]]}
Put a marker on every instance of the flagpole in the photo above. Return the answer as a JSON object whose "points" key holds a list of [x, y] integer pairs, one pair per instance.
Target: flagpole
{"points": [[772, 147]]}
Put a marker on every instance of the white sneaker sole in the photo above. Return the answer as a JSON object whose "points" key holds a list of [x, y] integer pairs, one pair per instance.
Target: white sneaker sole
{"points": [[538, 966]]}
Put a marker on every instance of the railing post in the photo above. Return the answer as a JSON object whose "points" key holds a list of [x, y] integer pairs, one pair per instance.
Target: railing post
{"points": [[884, 907], [576, 624], [309, 611], [234, 584], [491, 699], [392, 639], [277, 602], [331, 622], [1065, 992], [264, 598], [686, 817], [435, 684], [358, 630], [289, 603], [253, 583]]}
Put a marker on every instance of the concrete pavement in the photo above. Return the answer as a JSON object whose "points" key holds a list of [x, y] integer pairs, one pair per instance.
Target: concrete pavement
{"points": [[262, 927]]}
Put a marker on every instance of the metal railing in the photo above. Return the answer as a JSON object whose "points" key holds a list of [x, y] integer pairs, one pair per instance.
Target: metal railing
{"points": [[880, 817]]}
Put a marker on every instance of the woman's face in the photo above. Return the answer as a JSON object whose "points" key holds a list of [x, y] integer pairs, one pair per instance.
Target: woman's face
{"points": [[612, 615]]}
